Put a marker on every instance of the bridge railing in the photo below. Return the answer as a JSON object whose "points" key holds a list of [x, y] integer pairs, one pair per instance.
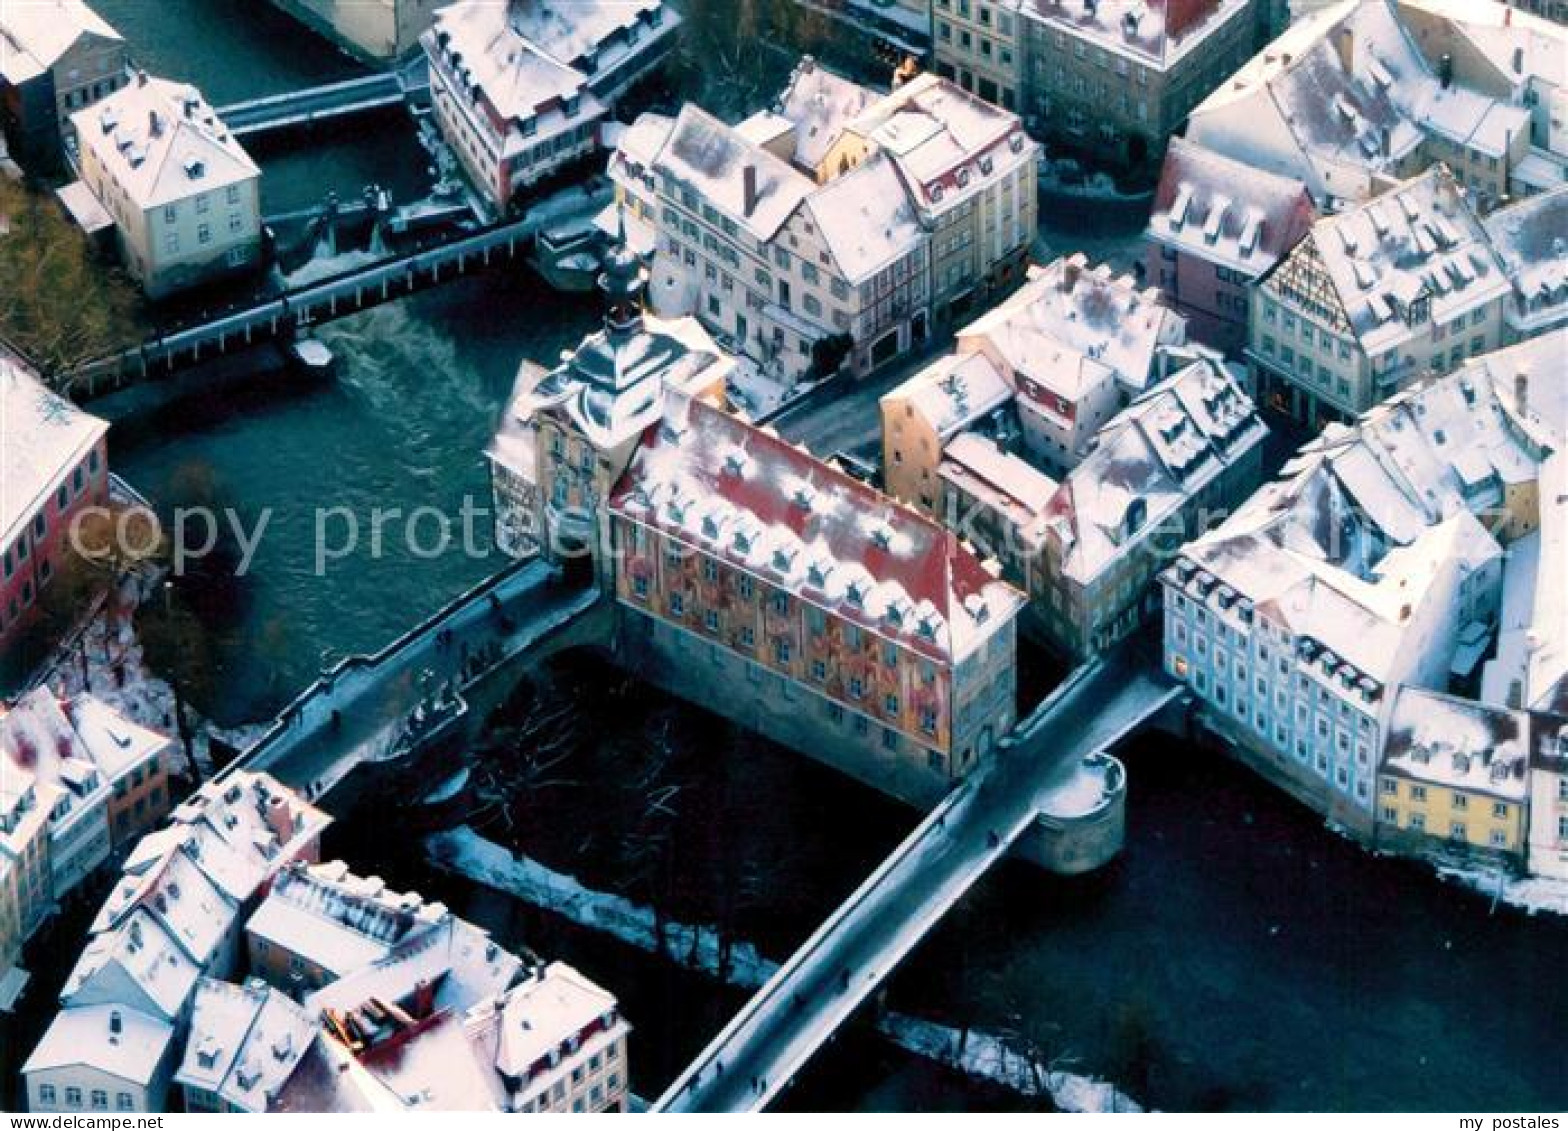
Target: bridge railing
{"points": [[808, 951]]}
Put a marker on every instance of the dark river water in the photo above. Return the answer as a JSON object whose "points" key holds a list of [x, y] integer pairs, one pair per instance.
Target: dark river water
{"points": [[1237, 956]]}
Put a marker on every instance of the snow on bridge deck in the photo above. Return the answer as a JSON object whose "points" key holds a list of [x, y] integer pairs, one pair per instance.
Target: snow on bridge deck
{"points": [[859, 945]]}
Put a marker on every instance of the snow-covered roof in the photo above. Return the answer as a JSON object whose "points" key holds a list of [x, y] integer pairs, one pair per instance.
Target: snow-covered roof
{"points": [[116, 743], [1459, 744], [43, 437], [613, 385], [34, 34], [36, 737], [526, 57], [821, 105], [1531, 239], [1225, 211], [866, 219], [546, 1010], [244, 1042], [125, 1043], [1155, 32], [138, 964], [190, 907], [1516, 43], [459, 962], [161, 142], [954, 391], [1350, 87], [744, 181], [949, 144], [742, 493], [338, 921], [1156, 455], [1000, 480], [1349, 540], [1070, 328], [1419, 241]]}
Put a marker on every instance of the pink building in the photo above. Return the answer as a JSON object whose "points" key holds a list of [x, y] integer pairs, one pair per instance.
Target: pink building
{"points": [[1217, 226], [53, 462]]}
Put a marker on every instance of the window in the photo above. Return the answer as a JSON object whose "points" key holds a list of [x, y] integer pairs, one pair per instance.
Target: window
{"points": [[1418, 822], [1500, 810], [204, 233], [1456, 830], [46, 1093], [73, 1097], [677, 604], [100, 1100], [857, 687], [1418, 793], [1461, 801], [1390, 787], [890, 704]]}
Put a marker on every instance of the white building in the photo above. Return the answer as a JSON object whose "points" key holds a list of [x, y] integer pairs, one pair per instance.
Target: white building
{"points": [[1364, 569], [837, 214], [245, 1042], [67, 771], [1345, 101], [174, 916], [56, 57], [184, 194], [521, 89], [1403, 286]]}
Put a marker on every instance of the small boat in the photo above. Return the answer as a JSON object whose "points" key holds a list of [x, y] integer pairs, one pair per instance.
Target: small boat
{"points": [[311, 357]]}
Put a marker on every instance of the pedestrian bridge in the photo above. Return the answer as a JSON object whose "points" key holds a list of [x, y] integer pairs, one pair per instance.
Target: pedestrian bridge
{"points": [[311, 105], [360, 710], [269, 319], [1035, 772]]}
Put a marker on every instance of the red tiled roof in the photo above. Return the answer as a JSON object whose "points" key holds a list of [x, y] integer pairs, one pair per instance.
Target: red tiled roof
{"points": [[847, 520]]}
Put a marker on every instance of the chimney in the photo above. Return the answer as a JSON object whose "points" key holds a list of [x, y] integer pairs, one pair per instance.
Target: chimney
{"points": [[141, 77], [116, 1023], [1518, 60], [1345, 43], [1522, 392], [1445, 70], [424, 999], [278, 821], [154, 124], [749, 189]]}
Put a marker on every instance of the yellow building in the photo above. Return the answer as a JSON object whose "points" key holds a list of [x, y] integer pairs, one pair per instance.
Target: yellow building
{"points": [[1455, 775]]}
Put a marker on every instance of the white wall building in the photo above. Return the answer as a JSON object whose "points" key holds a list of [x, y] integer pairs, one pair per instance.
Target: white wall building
{"points": [[184, 194], [1345, 100], [1363, 569], [520, 89], [1403, 286]]}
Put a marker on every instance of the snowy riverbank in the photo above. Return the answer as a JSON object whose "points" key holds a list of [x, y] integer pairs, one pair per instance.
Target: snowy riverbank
{"points": [[977, 1054]]}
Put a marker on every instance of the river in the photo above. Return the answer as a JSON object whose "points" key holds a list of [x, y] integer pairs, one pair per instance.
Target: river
{"points": [[1238, 955]]}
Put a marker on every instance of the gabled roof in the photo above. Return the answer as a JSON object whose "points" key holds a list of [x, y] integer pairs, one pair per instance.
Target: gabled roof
{"points": [[820, 105], [138, 964], [713, 159], [125, 1043], [1068, 325], [43, 437], [1150, 460], [744, 494], [34, 34], [161, 142], [1531, 239], [1420, 240], [866, 219], [244, 1042], [954, 391], [1459, 744], [1226, 211]]}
